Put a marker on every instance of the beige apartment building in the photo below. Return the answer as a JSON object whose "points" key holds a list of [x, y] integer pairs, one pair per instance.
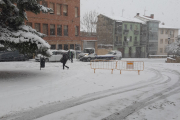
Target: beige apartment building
{"points": [[166, 35]]}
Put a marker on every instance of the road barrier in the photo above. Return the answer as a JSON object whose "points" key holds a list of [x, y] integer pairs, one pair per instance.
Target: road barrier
{"points": [[130, 66], [103, 64], [119, 65]]}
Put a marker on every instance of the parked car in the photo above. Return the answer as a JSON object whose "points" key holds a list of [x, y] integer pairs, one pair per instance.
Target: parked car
{"points": [[116, 53], [56, 56], [112, 55], [12, 56]]}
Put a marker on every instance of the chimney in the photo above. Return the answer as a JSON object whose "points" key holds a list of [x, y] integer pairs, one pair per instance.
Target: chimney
{"points": [[152, 16], [137, 14]]}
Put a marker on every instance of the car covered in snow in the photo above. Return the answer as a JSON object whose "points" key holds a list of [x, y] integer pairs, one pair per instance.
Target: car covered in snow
{"points": [[112, 55], [116, 53]]}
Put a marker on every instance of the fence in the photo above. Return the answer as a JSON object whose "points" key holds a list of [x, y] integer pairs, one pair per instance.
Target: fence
{"points": [[118, 65], [103, 64]]}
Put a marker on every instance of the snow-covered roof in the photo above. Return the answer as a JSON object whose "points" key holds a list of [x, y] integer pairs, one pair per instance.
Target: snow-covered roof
{"points": [[145, 19], [165, 26], [122, 19]]}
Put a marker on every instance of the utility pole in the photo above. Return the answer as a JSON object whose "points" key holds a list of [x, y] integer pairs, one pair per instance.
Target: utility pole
{"points": [[145, 11]]}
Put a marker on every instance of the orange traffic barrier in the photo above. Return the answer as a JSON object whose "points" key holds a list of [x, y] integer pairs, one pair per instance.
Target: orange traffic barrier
{"points": [[130, 66], [103, 64], [119, 65]]}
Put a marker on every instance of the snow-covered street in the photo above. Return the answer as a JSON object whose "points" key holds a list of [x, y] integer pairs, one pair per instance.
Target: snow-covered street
{"points": [[28, 93]]}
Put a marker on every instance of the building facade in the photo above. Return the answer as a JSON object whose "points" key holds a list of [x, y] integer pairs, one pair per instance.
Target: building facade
{"points": [[167, 35], [152, 33], [122, 34], [62, 26]]}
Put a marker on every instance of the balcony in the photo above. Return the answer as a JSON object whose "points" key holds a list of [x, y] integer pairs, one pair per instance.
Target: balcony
{"points": [[143, 43], [136, 32], [119, 43], [126, 32], [125, 43], [136, 43]]}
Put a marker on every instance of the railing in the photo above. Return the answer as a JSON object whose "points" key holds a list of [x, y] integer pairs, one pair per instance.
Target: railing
{"points": [[118, 43], [103, 64], [125, 43], [136, 43], [118, 65], [143, 42], [136, 32]]}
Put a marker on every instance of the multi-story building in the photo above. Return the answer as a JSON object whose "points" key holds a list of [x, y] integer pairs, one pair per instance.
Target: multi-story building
{"points": [[152, 26], [62, 26], [122, 34], [167, 35]]}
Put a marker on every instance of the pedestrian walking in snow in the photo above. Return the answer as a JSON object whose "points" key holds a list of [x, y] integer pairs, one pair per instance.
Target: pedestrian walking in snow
{"points": [[72, 57], [69, 54], [64, 60]]}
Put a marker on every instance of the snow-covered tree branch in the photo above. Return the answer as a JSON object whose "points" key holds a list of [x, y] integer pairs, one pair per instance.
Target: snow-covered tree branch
{"points": [[173, 48], [14, 33]]}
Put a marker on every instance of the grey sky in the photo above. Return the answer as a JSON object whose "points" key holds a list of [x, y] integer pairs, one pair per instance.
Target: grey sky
{"points": [[167, 11]]}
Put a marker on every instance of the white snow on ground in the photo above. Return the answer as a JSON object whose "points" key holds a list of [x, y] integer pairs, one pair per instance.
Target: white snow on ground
{"points": [[24, 87]]}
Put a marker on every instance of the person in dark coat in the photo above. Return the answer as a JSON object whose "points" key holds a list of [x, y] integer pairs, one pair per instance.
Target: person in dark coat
{"points": [[64, 60], [72, 57]]}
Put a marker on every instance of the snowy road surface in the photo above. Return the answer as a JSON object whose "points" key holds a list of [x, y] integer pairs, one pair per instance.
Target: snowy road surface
{"points": [[26, 93]]}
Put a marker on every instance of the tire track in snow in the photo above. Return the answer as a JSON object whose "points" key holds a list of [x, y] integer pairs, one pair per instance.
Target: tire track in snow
{"points": [[55, 107], [174, 89]]}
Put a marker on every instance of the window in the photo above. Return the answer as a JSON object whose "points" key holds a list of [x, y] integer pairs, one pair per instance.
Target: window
{"points": [[166, 41], [162, 31], [65, 10], [136, 27], [59, 30], [161, 50], [125, 38], [161, 41], [52, 29], [45, 4], [58, 9], [76, 30], [76, 11], [116, 38], [53, 46], [131, 27], [77, 46], [125, 26], [37, 27], [45, 29], [60, 47], [29, 23], [165, 50], [130, 38], [135, 39], [65, 46], [72, 46], [167, 31], [65, 30], [51, 5]]}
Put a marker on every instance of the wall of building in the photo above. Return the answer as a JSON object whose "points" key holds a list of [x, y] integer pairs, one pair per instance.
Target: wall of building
{"points": [[152, 37], [105, 30], [55, 19], [164, 34]]}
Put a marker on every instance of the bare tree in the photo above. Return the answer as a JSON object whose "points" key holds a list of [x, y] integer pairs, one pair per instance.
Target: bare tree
{"points": [[89, 22]]}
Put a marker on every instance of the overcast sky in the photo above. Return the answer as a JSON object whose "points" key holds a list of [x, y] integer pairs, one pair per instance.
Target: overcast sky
{"points": [[167, 11]]}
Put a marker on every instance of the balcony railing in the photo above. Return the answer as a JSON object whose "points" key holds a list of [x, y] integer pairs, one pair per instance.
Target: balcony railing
{"points": [[136, 43], [125, 43], [119, 43], [143, 42], [136, 32], [126, 31]]}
